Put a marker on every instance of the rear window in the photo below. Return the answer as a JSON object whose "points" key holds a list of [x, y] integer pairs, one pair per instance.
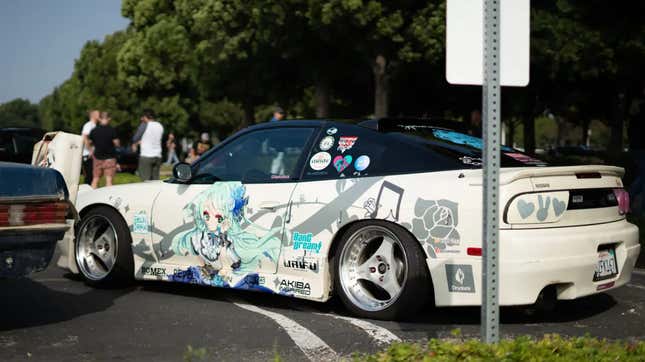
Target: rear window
{"points": [[461, 147]]}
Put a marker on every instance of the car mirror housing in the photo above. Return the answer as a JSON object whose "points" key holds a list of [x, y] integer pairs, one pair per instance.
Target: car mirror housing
{"points": [[182, 172]]}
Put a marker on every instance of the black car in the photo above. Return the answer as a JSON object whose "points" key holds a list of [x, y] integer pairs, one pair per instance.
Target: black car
{"points": [[34, 208], [17, 144]]}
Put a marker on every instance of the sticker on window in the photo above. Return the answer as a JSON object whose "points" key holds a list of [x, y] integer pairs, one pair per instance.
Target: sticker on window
{"points": [[332, 130], [320, 161], [362, 163], [462, 139], [346, 142], [341, 163], [326, 143]]}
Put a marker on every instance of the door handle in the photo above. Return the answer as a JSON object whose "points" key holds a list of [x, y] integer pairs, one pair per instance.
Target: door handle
{"points": [[269, 205]]}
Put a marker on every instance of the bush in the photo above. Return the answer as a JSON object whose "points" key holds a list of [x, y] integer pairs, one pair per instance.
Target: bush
{"points": [[550, 348]]}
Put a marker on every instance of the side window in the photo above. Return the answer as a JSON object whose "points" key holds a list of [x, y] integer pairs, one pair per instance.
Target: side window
{"points": [[345, 151], [268, 155]]}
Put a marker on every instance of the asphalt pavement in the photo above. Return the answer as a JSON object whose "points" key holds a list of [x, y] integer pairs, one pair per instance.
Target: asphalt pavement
{"points": [[53, 316]]}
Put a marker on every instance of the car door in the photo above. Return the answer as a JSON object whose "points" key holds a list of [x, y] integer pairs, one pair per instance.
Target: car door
{"points": [[230, 217]]}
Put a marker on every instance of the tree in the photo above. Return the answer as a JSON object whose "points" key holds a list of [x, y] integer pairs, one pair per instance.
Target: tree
{"points": [[19, 113]]}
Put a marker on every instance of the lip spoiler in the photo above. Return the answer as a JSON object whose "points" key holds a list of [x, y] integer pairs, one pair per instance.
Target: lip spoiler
{"points": [[508, 175]]}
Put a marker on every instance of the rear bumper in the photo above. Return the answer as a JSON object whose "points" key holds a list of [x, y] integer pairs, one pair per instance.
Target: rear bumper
{"points": [[28, 249], [534, 259]]}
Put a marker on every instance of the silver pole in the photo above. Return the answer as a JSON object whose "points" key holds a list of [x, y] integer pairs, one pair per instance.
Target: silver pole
{"points": [[491, 134]]}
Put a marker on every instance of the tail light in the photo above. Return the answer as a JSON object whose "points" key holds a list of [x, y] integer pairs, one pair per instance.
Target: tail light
{"points": [[32, 214], [622, 197]]}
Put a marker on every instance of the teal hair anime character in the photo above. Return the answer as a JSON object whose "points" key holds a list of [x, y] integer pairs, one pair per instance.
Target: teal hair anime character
{"points": [[220, 224]]}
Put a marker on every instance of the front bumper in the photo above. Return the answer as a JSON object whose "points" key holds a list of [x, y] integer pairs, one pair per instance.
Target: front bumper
{"points": [[28, 249], [531, 260]]}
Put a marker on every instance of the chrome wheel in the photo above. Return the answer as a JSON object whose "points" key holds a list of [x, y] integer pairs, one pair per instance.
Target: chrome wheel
{"points": [[373, 268], [96, 247]]}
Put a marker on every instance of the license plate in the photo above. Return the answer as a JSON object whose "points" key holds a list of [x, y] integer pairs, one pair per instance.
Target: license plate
{"points": [[606, 268]]}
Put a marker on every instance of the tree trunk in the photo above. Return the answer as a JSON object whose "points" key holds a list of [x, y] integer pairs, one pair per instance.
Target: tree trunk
{"points": [[510, 136], [249, 113], [529, 134], [380, 86], [616, 124], [584, 139], [322, 97]]}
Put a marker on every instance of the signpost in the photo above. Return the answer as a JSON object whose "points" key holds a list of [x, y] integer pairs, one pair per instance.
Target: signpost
{"points": [[491, 52]]}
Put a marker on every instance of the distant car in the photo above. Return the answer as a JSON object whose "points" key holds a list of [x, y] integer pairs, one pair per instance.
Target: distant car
{"points": [[34, 207], [17, 144], [384, 214]]}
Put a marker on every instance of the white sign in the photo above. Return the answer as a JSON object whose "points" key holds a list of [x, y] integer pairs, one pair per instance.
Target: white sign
{"points": [[465, 37]]}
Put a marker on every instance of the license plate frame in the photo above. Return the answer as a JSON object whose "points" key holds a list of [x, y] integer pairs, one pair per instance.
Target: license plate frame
{"points": [[606, 265]]}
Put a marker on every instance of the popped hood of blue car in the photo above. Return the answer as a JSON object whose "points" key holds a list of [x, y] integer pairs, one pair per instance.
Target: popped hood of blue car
{"points": [[25, 181]]}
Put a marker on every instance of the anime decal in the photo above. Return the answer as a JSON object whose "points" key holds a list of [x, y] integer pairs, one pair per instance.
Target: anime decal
{"points": [[224, 238]]}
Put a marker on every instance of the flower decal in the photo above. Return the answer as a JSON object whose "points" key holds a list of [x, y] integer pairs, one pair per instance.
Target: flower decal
{"points": [[435, 224]]}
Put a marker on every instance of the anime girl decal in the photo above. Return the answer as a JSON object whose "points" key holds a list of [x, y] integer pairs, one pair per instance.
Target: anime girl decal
{"points": [[221, 229]]}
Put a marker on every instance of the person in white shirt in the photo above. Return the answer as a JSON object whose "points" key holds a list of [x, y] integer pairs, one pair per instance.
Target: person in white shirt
{"points": [[87, 145], [148, 138]]}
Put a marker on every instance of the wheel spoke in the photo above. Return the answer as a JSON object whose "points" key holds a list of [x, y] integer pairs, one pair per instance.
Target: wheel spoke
{"points": [[107, 236], [386, 250], [96, 247], [390, 284]]}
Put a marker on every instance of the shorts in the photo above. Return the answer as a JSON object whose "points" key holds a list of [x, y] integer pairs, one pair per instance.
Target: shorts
{"points": [[104, 167]]}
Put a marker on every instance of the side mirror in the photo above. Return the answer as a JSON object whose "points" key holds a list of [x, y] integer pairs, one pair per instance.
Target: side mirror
{"points": [[182, 172]]}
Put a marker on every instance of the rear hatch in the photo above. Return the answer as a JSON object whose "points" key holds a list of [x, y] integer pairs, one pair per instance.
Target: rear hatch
{"points": [[546, 197]]}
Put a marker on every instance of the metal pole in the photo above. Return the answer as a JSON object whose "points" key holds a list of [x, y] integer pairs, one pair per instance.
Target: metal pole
{"points": [[491, 134]]}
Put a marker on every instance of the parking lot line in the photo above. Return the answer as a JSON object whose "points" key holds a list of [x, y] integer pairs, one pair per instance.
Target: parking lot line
{"points": [[310, 344], [636, 286], [381, 335]]}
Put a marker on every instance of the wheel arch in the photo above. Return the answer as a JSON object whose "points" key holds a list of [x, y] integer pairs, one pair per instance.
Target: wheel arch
{"points": [[90, 207], [341, 232]]}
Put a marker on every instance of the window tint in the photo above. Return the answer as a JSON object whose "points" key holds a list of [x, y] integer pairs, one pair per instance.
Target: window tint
{"points": [[269, 155]]}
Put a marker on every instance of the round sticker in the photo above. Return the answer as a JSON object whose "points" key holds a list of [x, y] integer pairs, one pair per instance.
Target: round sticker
{"points": [[332, 130], [320, 161], [361, 163], [326, 143]]}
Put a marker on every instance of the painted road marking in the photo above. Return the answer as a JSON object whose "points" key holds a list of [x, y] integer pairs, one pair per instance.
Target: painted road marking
{"points": [[636, 286], [381, 335], [310, 344]]}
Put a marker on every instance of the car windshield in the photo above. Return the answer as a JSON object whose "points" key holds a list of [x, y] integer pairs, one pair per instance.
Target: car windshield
{"points": [[466, 148]]}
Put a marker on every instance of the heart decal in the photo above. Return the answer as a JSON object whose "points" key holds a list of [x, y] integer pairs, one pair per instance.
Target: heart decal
{"points": [[341, 163], [558, 207], [525, 208]]}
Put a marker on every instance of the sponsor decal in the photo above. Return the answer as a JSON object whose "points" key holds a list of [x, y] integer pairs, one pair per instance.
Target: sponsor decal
{"points": [[332, 130], [341, 163], [302, 264], [292, 286], [346, 142], [474, 161], [320, 161], [362, 163], [326, 143], [140, 223], [304, 242], [280, 177], [460, 278], [146, 270]]}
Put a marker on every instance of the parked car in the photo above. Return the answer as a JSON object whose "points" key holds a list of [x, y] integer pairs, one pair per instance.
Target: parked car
{"points": [[34, 206], [17, 144], [384, 214], [127, 159]]}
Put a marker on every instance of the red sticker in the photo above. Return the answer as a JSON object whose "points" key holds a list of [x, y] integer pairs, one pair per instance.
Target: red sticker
{"points": [[346, 142]]}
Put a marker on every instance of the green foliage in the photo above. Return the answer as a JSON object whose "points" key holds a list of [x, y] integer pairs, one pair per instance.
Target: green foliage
{"points": [[549, 348], [195, 354], [19, 113]]}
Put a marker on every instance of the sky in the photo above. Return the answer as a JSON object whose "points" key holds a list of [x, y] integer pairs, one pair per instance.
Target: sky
{"points": [[40, 39]]}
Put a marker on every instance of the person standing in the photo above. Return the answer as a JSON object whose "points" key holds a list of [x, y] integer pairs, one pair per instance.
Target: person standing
{"points": [[87, 147], [278, 114], [104, 139], [171, 149], [203, 145], [148, 138]]}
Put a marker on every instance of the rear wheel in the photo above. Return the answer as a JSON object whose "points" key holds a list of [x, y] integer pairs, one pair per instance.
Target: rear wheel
{"points": [[380, 271], [103, 247]]}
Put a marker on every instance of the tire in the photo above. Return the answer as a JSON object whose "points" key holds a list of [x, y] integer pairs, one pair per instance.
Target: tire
{"points": [[94, 248], [362, 276]]}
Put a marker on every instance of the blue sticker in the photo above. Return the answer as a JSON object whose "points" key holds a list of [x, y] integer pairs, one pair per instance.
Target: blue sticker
{"points": [[140, 223], [361, 163], [462, 139]]}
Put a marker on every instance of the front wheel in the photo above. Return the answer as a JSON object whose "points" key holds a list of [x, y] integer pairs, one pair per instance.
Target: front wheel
{"points": [[103, 247], [380, 271]]}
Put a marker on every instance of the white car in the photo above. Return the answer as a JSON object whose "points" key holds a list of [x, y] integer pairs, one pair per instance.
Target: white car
{"points": [[385, 214]]}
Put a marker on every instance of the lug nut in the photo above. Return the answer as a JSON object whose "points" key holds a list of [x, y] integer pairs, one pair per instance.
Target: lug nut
{"points": [[372, 269]]}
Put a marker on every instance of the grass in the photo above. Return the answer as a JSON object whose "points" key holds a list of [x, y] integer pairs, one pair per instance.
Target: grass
{"points": [[549, 348]]}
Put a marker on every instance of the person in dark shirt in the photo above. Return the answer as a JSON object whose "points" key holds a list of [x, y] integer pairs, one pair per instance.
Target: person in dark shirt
{"points": [[104, 139]]}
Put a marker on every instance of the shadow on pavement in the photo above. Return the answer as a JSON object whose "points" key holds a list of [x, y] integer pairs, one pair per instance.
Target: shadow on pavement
{"points": [[29, 303]]}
